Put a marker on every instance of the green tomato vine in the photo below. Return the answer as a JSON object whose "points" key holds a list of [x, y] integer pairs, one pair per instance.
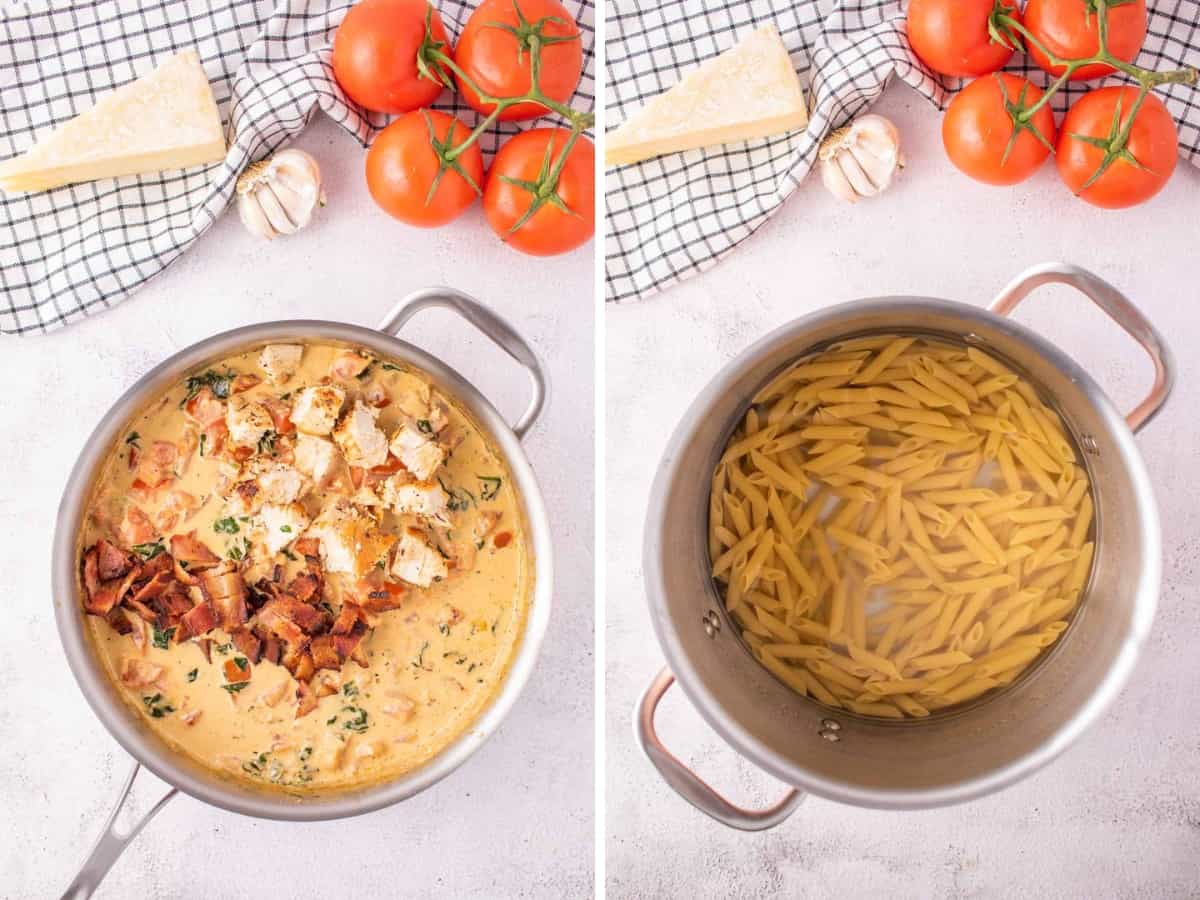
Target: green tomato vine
{"points": [[1011, 32], [436, 64]]}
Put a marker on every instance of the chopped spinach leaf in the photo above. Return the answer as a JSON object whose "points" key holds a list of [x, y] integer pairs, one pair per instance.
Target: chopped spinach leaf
{"points": [[241, 662], [150, 550], [227, 525], [424, 426], [358, 719], [236, 686], [162, 638], [157, 707], [193, 675], [217, 382], [489, 486], [132, 439]]}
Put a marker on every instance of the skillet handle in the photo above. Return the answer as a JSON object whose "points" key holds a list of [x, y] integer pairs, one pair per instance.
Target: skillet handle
{"points": [[492, 325], [687, 784], [1119, 308], [111, 842]]}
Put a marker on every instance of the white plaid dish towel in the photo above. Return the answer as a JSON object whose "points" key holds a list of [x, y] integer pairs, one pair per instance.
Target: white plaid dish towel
{"points": [[75, 250], [673, 216]]}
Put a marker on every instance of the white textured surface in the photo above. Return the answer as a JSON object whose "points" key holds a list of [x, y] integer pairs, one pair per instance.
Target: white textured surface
{"points": [[516, 820], [1119, 813]]}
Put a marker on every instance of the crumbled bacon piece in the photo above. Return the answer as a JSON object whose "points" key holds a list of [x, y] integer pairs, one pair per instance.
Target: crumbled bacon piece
{"points": [[502, 539], [227, 593], [349, 615], [113, 561], [200, 619], [305, 586], [191, 550], [248, 644], [324, 652], [118, 620]]}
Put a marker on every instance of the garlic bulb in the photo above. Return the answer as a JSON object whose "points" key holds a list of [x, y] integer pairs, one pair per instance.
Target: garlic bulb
{"points": [[861, 159], [279, 195]]}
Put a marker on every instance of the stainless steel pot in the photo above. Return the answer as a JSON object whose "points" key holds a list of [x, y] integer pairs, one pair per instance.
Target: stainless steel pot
{"points": [[125, 726], [944, 759]]}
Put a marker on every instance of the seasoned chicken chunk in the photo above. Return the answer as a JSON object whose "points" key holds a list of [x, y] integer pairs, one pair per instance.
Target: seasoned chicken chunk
{"points": [[416, 561], [280, 361], [418, 450], [418, 498], [283, 523], [247, 421], [316, 408], [360, 440], [278, 482], [439, 412], [316, 457], [350, 541]]}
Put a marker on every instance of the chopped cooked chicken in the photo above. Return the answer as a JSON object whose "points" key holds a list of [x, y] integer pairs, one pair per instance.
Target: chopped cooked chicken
{"points": [[331, 752], [350, 542], [316, 457], [277, 482], [417, 498], [247, 421], [418, 450], [348, 364], [316, 408], [416, 561], [486, 523], [280, 361], [283, 524], [439, 412], [360, 440], [137, 672]]}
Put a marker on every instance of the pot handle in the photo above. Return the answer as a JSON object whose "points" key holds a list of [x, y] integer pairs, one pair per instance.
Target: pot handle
{"points": [[687, 784], [111, 842], [1119, 308], [492, 325]]}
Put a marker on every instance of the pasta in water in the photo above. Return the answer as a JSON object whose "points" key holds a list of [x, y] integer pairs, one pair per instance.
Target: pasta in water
{"points": [[899, 525]]}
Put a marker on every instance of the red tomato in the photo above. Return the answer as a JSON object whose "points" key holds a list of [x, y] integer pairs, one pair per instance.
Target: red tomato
{"points": [[1153, 143], [978, 130], [528, 158], [375, 55], [402, 167], [951, 36], [495, 50], [1070, 30]]}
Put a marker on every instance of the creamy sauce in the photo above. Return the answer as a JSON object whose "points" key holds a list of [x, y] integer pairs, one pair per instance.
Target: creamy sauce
{"points": [[434, 663]]}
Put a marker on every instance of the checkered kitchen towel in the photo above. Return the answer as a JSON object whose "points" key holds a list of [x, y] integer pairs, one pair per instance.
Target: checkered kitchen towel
{"points": [[676, 215], [73, 251]]}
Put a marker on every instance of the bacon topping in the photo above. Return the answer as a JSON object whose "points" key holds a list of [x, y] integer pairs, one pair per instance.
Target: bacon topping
{"points": [[227, 593], [191, 550], [200, 619]]}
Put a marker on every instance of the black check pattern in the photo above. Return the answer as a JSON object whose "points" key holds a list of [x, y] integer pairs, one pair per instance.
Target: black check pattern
{"points": [[79, 249], [673, 216]]}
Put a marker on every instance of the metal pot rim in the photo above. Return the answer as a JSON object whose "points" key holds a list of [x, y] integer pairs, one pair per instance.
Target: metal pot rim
{"points": [[172, 766], [745, 742]]}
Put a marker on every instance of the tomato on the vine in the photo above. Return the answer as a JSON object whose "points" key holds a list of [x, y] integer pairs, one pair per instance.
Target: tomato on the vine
{"points": [[375, 54], [497, 47], [1070, 29], [538, 201], [986, 134], [1107, 165], [958, 37], [410, 175]]}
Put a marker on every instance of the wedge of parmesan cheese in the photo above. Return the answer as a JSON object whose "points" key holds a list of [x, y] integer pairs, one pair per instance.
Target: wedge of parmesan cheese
{"points": [[166, 119], [749, 91]]}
